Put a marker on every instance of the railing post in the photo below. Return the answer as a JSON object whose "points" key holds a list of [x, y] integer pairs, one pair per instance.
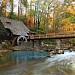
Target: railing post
{"points": [[46, 35], [32, 43], [39, 35]]}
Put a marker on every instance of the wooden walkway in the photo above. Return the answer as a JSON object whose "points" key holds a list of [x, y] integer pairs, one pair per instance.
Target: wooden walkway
{"points": [[52, 36]]}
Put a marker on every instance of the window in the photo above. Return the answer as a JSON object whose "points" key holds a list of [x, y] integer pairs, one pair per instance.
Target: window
{"points": [[9, 23]]}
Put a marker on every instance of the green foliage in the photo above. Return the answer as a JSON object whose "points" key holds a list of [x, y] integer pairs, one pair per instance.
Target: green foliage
{"points": [[12, 16], [72, 19], [49, 42], [25, 3], [31, 13], [66, 15], [1, 14], [73, 41], [34, 29], [2, 30], [67, 2], [38, 31]]}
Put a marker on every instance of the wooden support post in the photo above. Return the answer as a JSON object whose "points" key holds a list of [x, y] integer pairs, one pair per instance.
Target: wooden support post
{"points": [[58, 43], [32, 41], [39, 43]]}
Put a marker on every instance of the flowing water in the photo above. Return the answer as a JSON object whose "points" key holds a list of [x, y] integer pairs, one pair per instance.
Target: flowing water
{"points": [[35, 63]]}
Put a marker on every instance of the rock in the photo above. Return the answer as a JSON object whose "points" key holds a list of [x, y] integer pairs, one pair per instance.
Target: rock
{"points": [[60, 51]]}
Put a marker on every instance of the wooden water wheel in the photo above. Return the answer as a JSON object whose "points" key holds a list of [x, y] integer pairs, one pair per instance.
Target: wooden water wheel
{"points": [[21, 40]]}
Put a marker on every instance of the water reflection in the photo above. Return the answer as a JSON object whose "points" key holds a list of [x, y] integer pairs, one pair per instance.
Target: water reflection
{"points": [[23, 56], [60, 64], [23, 62]]}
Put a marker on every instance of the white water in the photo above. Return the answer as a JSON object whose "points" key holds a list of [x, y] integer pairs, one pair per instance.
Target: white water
{"points": [[64, 64], [61, 57]]}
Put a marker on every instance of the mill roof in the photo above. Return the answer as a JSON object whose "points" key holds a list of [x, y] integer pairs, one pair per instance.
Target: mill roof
{"points": [[16, 27]]}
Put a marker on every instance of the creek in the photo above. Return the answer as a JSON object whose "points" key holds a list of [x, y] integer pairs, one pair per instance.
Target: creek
{"points": [[36, 63]]}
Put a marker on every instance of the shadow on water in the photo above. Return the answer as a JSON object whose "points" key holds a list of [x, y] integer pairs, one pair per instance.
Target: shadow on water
{"points": [[35, 63]]}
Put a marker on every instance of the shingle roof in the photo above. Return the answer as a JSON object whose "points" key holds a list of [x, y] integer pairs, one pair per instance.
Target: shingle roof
{"points": [[16, 27]]}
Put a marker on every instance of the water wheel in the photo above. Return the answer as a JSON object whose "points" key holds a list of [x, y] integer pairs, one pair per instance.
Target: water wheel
{"points": [[21, 40]]}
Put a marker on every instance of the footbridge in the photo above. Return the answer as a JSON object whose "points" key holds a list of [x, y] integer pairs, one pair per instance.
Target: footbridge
{"points": [[60, 35], [56, 36]]}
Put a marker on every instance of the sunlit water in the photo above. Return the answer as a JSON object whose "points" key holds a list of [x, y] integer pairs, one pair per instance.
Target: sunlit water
{"points": [[60, 64]]}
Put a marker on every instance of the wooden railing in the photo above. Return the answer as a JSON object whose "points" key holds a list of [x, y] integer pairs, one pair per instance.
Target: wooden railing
{"points": [[52, 35]]}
